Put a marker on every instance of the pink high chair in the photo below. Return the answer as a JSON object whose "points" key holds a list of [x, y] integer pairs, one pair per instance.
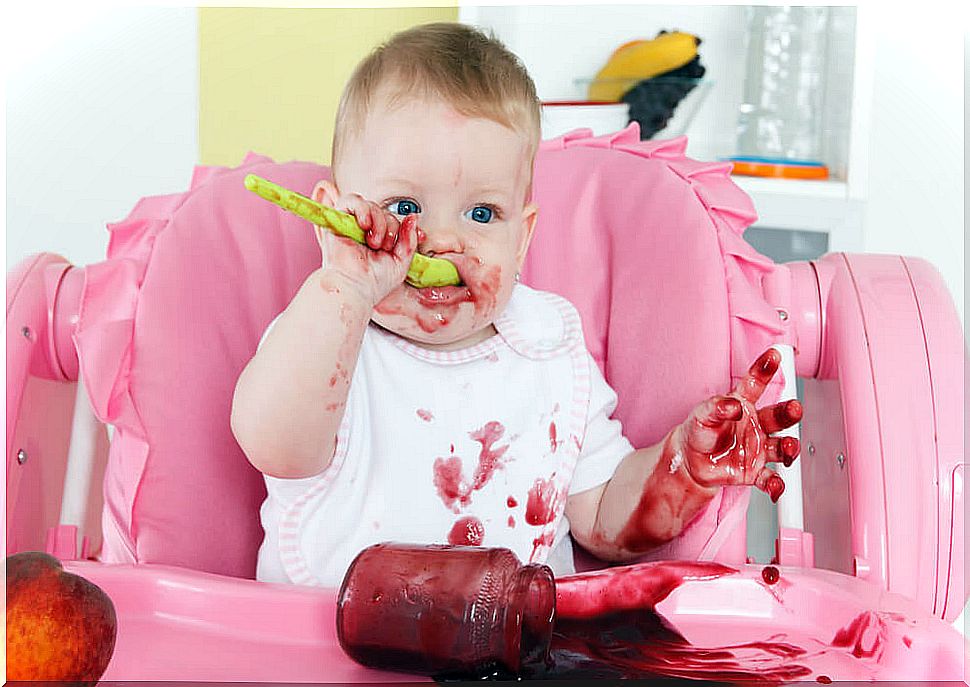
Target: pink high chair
{"points": [[648, 245]]}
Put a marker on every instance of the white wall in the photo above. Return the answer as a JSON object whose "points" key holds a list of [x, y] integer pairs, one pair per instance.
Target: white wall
{"points": [[916, 177], [102, 108]]}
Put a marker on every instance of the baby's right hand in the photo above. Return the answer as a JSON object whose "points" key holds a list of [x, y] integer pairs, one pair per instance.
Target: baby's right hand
{"points": [[379, 267]]}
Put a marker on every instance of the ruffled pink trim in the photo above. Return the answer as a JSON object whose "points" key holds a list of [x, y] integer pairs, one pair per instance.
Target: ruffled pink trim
{"points": [[109, 302], [105, 331], [754, 324]]}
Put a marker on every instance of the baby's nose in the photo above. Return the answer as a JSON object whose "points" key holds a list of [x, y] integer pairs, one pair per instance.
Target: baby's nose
{"points": [[439, 240]]}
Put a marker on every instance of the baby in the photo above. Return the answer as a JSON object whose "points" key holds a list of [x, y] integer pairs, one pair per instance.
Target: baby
{"points": [[468, 414]]}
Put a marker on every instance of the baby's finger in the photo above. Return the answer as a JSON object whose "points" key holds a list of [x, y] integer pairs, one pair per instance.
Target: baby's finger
{"points": [[355, 204], [771, 483], [782, 450], [779, 416], [407, 241], [759, 374], [378, 227], [393, 230], [382, 222]]}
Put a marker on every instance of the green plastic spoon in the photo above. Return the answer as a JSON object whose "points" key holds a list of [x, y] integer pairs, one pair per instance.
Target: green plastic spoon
{"points": [[423, 272]]}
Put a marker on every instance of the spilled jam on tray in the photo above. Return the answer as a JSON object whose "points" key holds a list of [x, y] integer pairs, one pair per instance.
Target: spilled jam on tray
{"points": [[607, 628]]}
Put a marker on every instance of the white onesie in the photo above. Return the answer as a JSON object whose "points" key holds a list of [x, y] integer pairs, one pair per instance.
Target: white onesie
{"points": [[478, 446]]}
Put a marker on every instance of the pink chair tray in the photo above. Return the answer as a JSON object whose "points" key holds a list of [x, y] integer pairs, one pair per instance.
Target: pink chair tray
{"points": [[810, 624]]}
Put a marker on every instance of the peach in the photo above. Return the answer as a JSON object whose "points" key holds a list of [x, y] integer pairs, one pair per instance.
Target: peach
{"points": [[60, 626]]}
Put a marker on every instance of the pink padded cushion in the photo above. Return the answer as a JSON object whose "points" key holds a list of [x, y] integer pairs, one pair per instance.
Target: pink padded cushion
{"points": [[647, 244], [167, 323]]}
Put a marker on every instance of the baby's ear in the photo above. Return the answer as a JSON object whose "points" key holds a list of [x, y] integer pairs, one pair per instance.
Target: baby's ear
{"points": [[529, 216], [325, 192]]}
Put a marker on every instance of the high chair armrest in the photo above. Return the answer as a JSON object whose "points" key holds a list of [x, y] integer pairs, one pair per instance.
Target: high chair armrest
{"points": [[888, 337], [39, 407]]}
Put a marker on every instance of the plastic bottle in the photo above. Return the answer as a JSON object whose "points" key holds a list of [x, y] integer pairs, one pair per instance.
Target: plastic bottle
{"points": [[456, 611], [781, 112]]}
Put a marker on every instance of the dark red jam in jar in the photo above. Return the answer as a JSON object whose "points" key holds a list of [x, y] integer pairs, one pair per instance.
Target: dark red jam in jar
{"points": [[436, 610]]}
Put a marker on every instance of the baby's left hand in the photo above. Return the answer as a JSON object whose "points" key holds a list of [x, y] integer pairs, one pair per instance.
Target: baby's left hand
{"points": [[726, 441]]}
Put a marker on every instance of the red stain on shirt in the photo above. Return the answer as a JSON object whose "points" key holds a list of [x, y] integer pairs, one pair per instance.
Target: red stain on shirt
{"points": [[425, 415], [544, 501], [454, 490], [511, 522], [552, 437], [467, 532], [450, 483], [511, 502], [545, 539], [490, 456]]}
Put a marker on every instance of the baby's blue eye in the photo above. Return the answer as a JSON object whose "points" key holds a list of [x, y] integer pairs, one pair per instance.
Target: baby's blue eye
{"points": [[480, 213], [404, 207]]}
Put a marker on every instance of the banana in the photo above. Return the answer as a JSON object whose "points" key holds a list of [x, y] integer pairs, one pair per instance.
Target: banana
{"points": [[639, 60], [422, 272]]}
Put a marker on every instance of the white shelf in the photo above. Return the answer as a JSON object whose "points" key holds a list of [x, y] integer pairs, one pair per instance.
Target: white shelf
{"points": [[804, 205], [793, 188]]}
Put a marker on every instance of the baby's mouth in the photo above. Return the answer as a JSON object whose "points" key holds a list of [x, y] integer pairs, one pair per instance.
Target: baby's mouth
{"points": [[433, 296]]}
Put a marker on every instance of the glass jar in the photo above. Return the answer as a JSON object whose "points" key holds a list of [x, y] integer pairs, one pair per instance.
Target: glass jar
{"points": [[438, 610]]}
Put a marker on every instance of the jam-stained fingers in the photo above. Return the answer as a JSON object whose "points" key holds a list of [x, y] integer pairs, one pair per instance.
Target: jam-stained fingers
{"points": [[753, 385]]}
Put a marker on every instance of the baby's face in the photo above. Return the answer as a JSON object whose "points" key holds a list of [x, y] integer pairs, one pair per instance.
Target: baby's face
{"points": [[468, 179]]}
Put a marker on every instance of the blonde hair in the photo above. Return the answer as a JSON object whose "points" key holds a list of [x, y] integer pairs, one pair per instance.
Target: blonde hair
{"points": [[472, 72]]}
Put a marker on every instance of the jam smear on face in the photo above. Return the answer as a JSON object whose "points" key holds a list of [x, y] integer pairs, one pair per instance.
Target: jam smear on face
{"points": [[433, 308]]}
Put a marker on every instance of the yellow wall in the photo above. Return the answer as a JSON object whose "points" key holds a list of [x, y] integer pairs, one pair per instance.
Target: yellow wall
{"points": [[270, 78]]}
